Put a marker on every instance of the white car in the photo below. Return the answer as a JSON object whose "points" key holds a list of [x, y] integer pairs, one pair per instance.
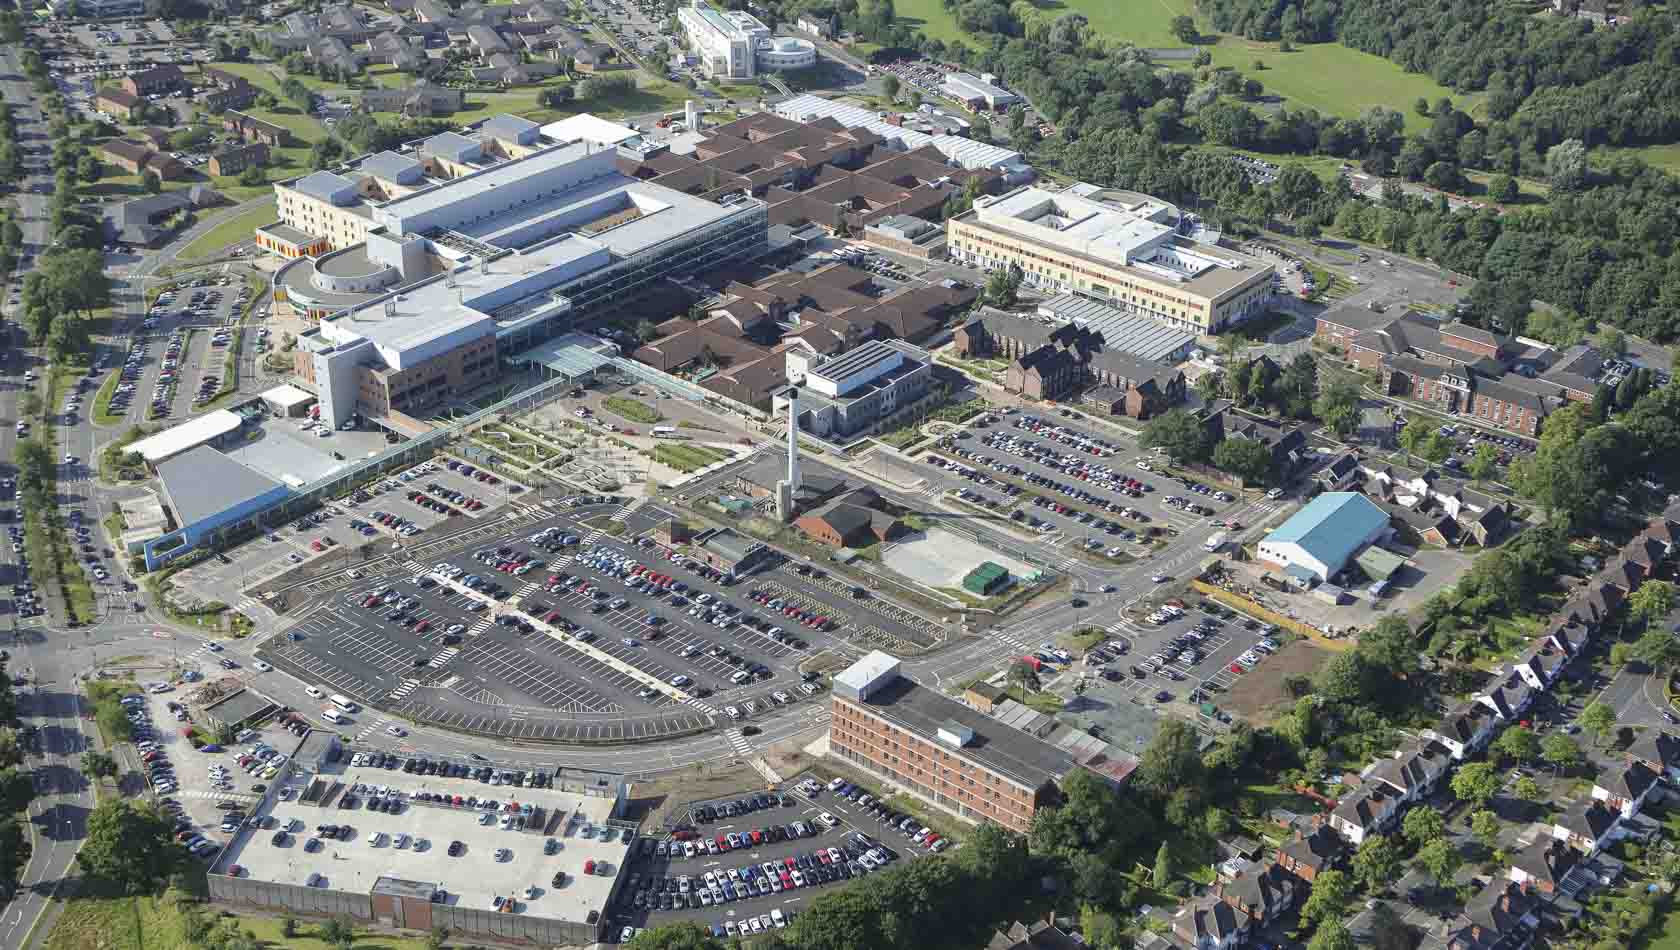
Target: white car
{"points": [[396, 731], [314, 692], [262, 667]]}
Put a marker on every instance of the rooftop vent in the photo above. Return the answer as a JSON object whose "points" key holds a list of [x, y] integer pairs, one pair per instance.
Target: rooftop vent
{"points": [[955, 734]]}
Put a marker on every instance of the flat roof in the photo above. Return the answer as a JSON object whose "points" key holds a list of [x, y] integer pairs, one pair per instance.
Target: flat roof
{"points": [[194, 432], [466, 187], [471, 880], [585, 127], [964, 151], [287, 233], [238, 707], [1331, 526], [1008, 752], [202, 483], [287, 396], [663, 213]]}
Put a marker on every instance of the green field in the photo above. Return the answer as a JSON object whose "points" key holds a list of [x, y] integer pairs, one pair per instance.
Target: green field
{"points": [[234, 229], [1329, 77], [1665, 157], [1335, 79], [147, 923], [1147, 23]]}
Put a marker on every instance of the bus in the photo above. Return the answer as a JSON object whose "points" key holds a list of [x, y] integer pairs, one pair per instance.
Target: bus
{"points": [[342, 703], [664, 432]]}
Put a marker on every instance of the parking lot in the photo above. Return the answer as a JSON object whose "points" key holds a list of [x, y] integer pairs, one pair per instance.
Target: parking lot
{"points": [[746, 843], [1071, 485], [558, 622], [174, 363]]}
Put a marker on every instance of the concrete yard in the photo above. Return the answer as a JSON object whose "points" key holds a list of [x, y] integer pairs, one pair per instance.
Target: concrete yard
{"points": [[938, 558]]}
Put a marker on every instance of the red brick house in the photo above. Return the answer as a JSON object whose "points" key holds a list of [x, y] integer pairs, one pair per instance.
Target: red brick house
{"points": [[853, 520]]}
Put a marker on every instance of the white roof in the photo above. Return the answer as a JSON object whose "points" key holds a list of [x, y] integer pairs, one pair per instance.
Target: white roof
{"points": [[286, 396], [584, 127], [865, 672], [966, 152], [187, 435]]}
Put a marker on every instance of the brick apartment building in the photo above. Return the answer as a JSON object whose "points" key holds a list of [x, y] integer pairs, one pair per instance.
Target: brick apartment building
{"points": [[155, 81], [940, 750], [231, 98], [1509, 383], [120, 104], [252, 129], [136, 159], [236, 158]]}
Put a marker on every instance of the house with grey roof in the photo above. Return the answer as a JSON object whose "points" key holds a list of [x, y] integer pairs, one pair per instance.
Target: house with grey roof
{"points": [[1465, 730], [1503, 916], [1659, 750], [1624, 789], [1544, 864], [1371, 808], [1587, 826]]}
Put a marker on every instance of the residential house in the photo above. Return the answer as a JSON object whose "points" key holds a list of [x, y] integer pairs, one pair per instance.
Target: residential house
{"points": [[1039, 935], [1286, 443], [1543, 865], [234, 97], [1624, 789], [1306, 855], [1208, 923], [1659, 751], [1460, 512], [1465, 730], [1503, 916], [1339, 474], [137, 159], [1587, 826], [1414, 772], [1371, 808], [1260, 895], [1508, 700]]}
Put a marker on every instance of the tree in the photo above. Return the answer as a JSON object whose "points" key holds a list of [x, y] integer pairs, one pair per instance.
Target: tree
{"points": [[97, 764], [1476, 782], [1172, 760], [1526, 789], [1181, 434], [1600, 720], [1657, 648], [1100, 928], [890, 86], [1518, 743], [149, 181], [1609, 340], [1388, 931], [1247, 459], [128, 845], [1337, 404], [915, 99], [1423, 825], [1163, 866], [339, 932], [1332, 892], [1002, 286], [1560, 751], [17, 790], [1440, 860], [1331, 935], [1484, 465], [1484, 825], [1503, 189], [1653, 599], [1184, 27], [1566, 165], [1377, 862], [1390, 645]]}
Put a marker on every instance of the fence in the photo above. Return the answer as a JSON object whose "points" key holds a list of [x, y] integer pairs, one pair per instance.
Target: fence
{"points": [[1255, 610]]}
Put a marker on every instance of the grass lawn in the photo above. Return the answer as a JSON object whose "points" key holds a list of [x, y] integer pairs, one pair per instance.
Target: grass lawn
{"points": [[234, 229], [102, 402], [145, 922], [1147, 23], [933, 21], [633, 409], [302, 126], [1335, 79], [1665, 157]]}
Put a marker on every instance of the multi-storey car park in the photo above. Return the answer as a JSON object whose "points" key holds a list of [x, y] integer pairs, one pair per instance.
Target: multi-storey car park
{"points": [[447, 256]]}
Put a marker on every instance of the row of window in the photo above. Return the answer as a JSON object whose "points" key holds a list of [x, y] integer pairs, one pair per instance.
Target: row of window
{"points": [[1008, 817], [1055, 268]]}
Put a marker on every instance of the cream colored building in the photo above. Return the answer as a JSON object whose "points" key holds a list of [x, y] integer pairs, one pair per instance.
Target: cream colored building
{"points": [[1118, 247]]}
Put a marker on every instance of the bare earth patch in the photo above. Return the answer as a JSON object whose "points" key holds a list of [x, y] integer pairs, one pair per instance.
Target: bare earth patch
{"points": [[1259, 695]]}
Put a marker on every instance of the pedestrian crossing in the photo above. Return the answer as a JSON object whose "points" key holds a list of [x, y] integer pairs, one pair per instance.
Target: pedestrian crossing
{"points": [[444, 657], [484, 623], [376, 725], [1011, 641], [703, 707], [415, 566], [526, 591], [408, 686], [738, 742], [213, 795]]}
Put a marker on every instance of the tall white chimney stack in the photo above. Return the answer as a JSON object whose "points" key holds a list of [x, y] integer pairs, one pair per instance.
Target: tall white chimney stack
{"points": [[793, 439]]}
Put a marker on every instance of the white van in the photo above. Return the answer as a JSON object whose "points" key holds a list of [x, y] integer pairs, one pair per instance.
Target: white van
{"points": [[342, 703], [332, 715]]}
